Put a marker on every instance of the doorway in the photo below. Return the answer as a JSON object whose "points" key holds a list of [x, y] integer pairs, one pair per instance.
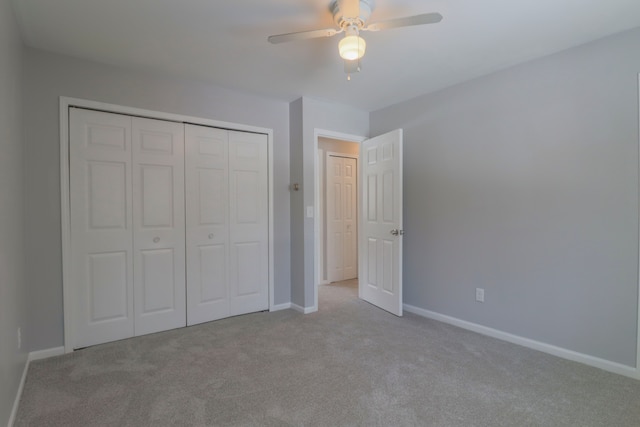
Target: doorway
{"points": [[380, 211], [337, 210]]}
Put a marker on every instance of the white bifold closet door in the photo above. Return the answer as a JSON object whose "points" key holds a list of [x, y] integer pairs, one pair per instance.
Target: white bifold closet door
{"points": [[127, 226], [101, 211], [158, 225], [227, 223]]}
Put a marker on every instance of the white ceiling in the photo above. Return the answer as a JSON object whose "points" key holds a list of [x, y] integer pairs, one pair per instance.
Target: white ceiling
{"points": [[225, 42]]}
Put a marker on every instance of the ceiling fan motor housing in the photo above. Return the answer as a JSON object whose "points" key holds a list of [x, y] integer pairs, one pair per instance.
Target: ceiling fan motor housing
{"points": [[342, 21]]}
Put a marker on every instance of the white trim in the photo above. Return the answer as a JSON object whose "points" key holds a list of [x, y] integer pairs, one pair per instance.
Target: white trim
{"points": [[320, 200], [638, 306], [65, 103], [47, 353], [16, 401], [271, 196], [65, 214], [564, 353], [34, 355], [338, 154], [285, 306], [317, 133], [303, 310]]}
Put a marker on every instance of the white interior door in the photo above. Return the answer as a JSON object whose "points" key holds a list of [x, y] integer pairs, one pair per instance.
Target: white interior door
{"points": [[207, 198], [248, 223], [341, 214], [380, 281], [159, 225], [101, 227]]}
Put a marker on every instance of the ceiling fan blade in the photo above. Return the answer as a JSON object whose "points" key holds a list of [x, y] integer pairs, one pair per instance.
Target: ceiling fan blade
{"points": [[425, 18], [303, 35]]}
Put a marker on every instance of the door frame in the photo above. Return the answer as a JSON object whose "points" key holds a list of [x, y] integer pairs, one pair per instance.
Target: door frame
{"points": [[637, 367], [324, 133], [65, 103]]}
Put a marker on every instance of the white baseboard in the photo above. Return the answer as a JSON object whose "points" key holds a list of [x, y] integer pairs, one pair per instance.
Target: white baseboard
{"points": [[303, 310], [45, 354], [34, 355], [279, 307], [607, 365], [16, 402]]}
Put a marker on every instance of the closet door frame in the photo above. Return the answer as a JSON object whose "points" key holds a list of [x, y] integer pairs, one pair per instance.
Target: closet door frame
{"points": [[65, 104]]}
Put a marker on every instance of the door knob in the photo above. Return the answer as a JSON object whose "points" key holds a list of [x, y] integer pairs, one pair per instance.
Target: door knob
{"points": [[396, 232], [156, 239], [211, 235]]}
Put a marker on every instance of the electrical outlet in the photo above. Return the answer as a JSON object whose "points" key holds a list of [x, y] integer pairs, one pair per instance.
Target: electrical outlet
{"points": [[19, 338], [479, 294]]}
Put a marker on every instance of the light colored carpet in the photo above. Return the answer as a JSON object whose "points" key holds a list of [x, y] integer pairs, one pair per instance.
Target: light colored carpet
{"points": [[350, 364]]}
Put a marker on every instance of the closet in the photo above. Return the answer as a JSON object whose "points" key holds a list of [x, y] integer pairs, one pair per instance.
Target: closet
{"points": [[168, 224]]}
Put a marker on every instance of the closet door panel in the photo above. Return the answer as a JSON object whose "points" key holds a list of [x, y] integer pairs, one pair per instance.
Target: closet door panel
{"points": [[248, 213], [206, 162], [159, 219], [101, 227]]}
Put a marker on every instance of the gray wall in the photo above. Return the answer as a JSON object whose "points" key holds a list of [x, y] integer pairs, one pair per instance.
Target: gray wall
{"points": [[13, 290], [313, 114], [49, 76], [297, 203], [525, 183]]}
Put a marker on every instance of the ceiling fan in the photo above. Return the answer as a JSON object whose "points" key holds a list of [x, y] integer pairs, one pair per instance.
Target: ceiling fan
{"points": [[351, 17]]}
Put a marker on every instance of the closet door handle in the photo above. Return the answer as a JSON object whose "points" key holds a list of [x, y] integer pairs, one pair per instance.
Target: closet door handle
{"points": [[156, 239], [210, 235]]}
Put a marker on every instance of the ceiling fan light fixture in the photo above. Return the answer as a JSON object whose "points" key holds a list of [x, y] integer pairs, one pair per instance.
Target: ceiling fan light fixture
{"points": [[352, 46]]}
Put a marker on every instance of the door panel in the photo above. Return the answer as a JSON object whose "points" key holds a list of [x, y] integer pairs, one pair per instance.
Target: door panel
{"points": [[101, 227], [159, 236], [247, 188], [206, 162], [157, 282], [212, 196], [249, 280], [248, 226], [381, 280], [157, 196], [107, 286], [107, 183], [213, 273]]}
